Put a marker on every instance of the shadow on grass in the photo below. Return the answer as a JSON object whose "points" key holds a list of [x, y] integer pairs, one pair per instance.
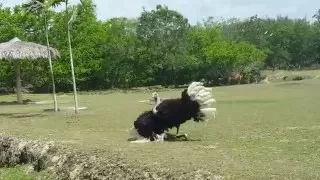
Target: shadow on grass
{"points": [[179, 138], [9, 103], [173, 138], [21, 115]]}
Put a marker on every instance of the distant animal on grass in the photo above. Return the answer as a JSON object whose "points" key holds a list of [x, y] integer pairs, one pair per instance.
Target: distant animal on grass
{"points": [[266, 80], [195, 103], [235, 76], [284, 78]]}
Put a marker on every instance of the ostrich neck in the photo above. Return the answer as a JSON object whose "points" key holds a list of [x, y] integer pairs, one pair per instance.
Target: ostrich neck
{"points": [[156, 101]]}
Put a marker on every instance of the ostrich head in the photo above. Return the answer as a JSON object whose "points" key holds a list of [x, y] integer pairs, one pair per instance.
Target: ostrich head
{"points": [[156, 101], [155, 96]]}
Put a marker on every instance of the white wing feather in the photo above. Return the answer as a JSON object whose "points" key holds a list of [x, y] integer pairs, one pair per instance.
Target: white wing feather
{"points": [[204, 97]]}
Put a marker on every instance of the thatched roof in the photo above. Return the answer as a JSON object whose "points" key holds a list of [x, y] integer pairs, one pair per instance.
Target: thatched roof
{"points": [[16, 49]]}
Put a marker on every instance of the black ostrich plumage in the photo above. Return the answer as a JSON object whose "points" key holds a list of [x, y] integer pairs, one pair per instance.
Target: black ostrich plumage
{"points": [[170, 113]]}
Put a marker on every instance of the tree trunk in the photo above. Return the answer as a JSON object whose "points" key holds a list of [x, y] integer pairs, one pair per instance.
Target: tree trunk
{"points": [[18, 82], [51, 68], [71, 64]]}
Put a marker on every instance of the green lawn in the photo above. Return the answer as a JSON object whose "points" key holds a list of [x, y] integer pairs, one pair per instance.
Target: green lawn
{"points": [[277, 75], [18, 173], [266, 131]]}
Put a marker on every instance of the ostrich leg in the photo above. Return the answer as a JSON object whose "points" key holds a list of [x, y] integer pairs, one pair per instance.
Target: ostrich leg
{"points": [[182, 135]]}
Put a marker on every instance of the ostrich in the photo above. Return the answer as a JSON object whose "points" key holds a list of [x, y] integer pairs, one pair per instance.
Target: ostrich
{"points": [[195, 103], [156, 100]]}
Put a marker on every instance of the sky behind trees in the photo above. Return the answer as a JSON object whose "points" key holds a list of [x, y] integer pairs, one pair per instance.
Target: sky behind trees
{"points": [[196, 10]]}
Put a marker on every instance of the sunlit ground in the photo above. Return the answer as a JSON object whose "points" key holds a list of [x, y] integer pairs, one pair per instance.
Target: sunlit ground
{"points": [[260, 131]]}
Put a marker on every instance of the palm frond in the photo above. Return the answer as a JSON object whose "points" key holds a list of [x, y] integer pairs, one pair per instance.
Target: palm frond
{"points": [[34, 6], [55, 3]]}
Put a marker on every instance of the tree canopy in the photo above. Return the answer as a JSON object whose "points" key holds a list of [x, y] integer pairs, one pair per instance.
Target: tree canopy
{"points": [[158, 47]]}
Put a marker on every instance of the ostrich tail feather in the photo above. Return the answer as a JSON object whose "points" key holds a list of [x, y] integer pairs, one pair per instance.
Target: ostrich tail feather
{"points": [[204, 97]]}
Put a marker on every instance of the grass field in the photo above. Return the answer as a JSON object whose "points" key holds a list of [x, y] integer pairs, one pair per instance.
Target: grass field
{"points": [[266, 131], [277, 75], [17, 173]]}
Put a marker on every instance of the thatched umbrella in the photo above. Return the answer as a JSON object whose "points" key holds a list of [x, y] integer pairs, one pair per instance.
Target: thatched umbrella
{"points": [[18, 50]]}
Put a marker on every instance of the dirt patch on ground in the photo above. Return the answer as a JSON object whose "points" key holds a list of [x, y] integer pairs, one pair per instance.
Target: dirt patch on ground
{"points": [[59, 164]]}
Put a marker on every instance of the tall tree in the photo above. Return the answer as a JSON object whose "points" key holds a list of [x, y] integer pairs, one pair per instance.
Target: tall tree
{"points": [[120, 57], [316, 38], [41, 8], [69, 21], [163, 33]]}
